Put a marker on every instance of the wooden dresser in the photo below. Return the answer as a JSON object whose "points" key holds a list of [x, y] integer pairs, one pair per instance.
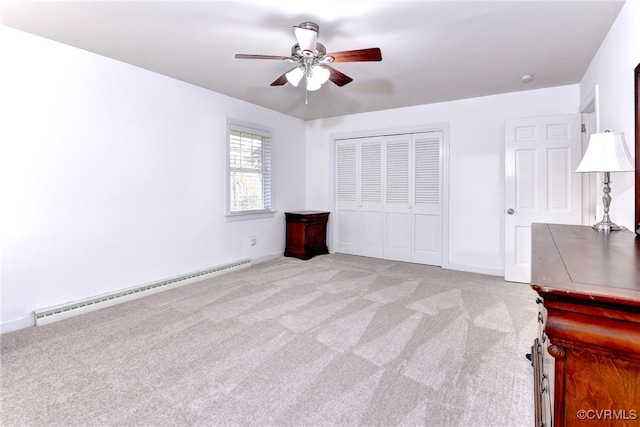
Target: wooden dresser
{"points": [[586, 357], [306, 234]]}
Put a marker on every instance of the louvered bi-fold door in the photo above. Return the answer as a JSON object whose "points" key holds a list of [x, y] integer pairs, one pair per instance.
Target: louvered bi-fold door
{"points": [[397, 208], [427, 204], [412, 198], [346, 196], [388, 197], [370, 206], [359, 196]]}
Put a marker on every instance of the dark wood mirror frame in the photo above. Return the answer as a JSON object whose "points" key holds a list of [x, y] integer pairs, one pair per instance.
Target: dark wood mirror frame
{"points": [[637, 115]]}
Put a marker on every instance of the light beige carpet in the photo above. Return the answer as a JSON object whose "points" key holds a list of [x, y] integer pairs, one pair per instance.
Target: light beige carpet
{"points": [[334, 341]]}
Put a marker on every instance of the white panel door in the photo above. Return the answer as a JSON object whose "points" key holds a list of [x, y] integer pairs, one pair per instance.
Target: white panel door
{"points": [[370, 198], [398, 230], [541, 155], [346, 196], [426, 203]]}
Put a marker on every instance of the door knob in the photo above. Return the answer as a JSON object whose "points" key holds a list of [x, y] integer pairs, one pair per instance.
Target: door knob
{"points": [[510, 211]]}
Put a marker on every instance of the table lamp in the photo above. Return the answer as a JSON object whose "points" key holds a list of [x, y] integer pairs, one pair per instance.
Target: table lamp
{"points": [[606, 152]]}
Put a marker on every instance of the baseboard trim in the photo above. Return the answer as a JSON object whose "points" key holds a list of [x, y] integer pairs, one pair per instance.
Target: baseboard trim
{"points": [[479, 270], [71, 309], [267, 258], [17, 324]]}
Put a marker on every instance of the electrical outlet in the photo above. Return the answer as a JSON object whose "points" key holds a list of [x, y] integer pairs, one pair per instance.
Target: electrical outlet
{"points": [[252, 241]]}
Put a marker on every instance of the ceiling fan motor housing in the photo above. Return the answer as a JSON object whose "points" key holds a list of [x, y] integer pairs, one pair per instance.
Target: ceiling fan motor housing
{"points": [[297, 53], [310, 26]]}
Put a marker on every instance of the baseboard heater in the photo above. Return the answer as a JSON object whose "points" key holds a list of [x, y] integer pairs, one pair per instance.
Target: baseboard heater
{"points": [[64, 311]]}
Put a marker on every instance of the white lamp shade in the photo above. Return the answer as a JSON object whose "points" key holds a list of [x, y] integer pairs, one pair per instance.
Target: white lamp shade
{"points": [[312, 84], [294, 76], [317, 76], [320, 73], [606, 152]]}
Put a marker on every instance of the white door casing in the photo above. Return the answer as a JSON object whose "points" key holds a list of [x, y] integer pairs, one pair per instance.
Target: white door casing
{"points": [[541, 155]]}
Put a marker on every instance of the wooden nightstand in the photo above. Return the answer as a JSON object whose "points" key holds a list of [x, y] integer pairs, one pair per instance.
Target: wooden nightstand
{"points": [[306, 234]]}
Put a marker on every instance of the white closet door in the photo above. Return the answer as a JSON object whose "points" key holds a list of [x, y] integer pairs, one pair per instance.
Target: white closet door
{"points": [[346, 196], [397, 236], [388, 197], [370, 200], [427, 208]]}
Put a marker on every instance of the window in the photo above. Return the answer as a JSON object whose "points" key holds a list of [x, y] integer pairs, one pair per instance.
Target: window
{"points": [[249, 170]]}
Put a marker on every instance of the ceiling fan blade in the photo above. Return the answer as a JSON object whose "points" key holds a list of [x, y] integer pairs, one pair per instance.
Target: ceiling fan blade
{"points": [[359, 55], [306, 39], [244, 56], [282, 80], [337, 77]]}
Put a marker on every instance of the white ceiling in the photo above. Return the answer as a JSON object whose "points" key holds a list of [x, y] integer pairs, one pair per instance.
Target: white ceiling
{"points": [[432, 50]]}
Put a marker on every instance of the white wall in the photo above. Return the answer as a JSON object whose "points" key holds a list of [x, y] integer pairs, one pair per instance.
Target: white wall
{"points": [[612, 71], [113, 176], [476, 208]]}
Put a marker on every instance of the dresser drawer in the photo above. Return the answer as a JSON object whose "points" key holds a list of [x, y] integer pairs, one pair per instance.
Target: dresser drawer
{"points": [[544, 371]]}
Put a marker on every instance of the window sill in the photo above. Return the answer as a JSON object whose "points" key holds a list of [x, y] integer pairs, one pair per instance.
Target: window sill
{"points": [[249, 215]]}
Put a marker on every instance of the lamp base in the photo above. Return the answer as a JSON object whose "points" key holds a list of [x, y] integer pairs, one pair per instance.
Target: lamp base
{"points": [[607, 226]]}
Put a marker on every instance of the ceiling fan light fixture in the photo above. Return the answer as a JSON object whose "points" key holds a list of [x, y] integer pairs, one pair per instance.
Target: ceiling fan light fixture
{"points": [[317, 76], [320, 74], [312, 84], [294, 76]]}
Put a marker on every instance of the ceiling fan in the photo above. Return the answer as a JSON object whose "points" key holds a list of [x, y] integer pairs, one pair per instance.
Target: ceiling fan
{"points": [[312, 60]]}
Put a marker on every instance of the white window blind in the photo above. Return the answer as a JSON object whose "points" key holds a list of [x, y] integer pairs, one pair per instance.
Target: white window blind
{"points": [[250, 185]]}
